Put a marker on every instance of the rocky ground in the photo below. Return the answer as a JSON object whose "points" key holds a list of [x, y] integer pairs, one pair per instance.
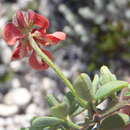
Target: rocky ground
{"points": [[23, 90]]}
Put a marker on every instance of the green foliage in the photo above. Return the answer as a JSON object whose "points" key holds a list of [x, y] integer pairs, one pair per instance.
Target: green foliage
{"points": [[71, 103], [59, 110], [106, 76], [46, 122], [5, 77], [115, 121], [52, 101], [113, 37], [109, 88], [95, 84], [104, 85], [83, 87]]}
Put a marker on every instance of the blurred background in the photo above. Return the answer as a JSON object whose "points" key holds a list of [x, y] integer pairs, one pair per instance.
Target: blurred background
{"points": [[98, 33]]}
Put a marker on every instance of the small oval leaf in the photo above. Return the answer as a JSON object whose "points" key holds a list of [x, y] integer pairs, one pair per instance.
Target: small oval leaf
{"points": [[60, 110], [83, 87], [115, 122], [71, 103], [52, 101], [109, 88], [46, 121], [95, 84], [106, 75], [32, 128]]}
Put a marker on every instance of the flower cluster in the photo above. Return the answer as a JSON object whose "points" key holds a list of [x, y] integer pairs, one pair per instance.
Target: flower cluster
{"points": [[24, 23]]}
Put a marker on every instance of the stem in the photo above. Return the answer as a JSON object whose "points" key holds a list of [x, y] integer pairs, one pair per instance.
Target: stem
{"points": [[50, 63], [72, 125], [114, 109], [45, 58]]}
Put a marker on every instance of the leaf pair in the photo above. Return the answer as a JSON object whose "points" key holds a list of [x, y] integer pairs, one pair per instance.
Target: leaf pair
{"points": [[100, 88], [115, 122], [61, 109]]}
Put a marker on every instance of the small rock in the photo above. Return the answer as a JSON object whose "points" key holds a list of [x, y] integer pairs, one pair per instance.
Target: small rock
{"points": [[127, 13], [86, 12], [2, 70], [5, 52], [8, 110], [112, 9], [99, 4], [48, 84], [2, 128], [6, 55], [16, 66], [99, 19], [31, 109], [18, 96], [12, 127], [22, 120], [121, 3], [2, 122], [15, 83], [3, 20], [66, 73], [9, 121]]}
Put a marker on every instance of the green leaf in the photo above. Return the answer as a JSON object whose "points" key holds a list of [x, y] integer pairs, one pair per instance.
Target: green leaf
{"points": [[78, 110], [95, 84], [71, 103], [105, 75], [83, 87], [60, 110], [39, 128], [52, 101], [46, 121], [48, 128], [115, 122], [109, 88], [127, 93], [32, 128], [129, 86]]}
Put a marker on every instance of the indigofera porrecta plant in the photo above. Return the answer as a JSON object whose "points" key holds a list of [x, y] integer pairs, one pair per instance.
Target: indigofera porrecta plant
{"points": [[84, 96]]}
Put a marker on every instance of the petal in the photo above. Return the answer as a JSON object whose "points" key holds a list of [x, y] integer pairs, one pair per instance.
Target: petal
{"points": [[22, 50], [38, 20], [16, 53], [25, 48], [37, 64], [55, 37], [31, 16], [11, 34], [20, 18]]}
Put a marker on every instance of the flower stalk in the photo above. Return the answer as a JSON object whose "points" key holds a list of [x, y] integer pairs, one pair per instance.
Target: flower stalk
{"points": [[50, 63], [57, 70]]}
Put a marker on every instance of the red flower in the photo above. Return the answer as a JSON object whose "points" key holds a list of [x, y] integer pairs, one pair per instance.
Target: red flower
{"points": [[18, 30]]}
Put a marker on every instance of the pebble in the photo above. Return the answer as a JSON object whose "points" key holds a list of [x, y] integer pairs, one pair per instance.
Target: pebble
{"points": [[31, 109], [127, 13], [6, 55], [8, 110], [48, 84], [18, 96], [15, 66], [6, 52], [15, 83], [86, 12], [2, 122], [1, 128]]}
